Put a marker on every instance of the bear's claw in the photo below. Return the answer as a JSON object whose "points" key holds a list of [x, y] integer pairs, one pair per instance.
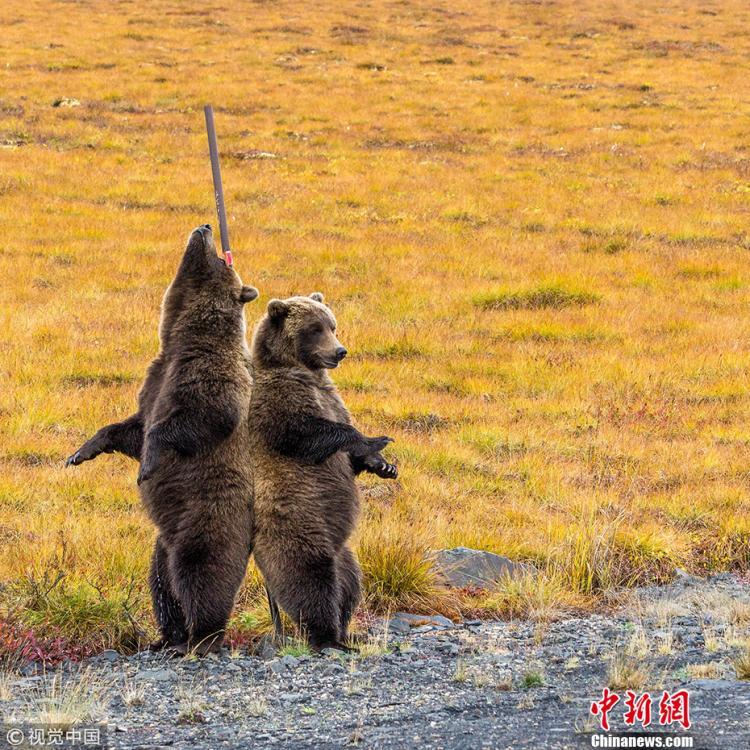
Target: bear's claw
{"points": [[387, 471]]}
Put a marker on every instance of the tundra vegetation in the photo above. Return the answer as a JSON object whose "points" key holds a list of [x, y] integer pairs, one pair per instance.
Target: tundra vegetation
{"points": [[531, 217]]}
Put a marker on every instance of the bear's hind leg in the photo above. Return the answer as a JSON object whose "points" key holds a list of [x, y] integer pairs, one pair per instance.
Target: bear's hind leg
{"points": [[308, 590], [350, 578], [206, 580], [167, 609]]}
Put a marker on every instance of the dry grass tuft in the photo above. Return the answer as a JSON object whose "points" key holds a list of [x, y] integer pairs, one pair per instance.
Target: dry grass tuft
{"points": [[398, 574], [708, 671], [6, 685], [627, 671], [66, 700], [133, 693], [538, 597], [190, 703], [742, 663], [374, 645]]}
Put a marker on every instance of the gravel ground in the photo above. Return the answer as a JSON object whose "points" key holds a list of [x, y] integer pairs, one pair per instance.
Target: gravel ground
{"points": [[473, 685]]}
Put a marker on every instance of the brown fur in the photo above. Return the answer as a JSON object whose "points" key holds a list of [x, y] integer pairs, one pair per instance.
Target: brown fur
{"points": [[304, 451], [191, 435]]}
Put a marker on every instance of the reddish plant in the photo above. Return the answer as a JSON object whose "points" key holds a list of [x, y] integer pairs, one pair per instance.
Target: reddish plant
{"points": [[18, 645]]}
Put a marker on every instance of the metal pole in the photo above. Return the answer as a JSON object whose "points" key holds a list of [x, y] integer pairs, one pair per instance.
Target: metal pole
{"points": [[213, 150]]}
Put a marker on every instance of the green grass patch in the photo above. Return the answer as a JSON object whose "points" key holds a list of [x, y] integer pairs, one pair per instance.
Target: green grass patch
{"points": [[84, 614], [296, 647], [540, 298], [532, 680]]}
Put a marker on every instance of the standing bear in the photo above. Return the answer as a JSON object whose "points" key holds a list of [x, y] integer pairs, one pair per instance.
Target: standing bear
{"points": [[191, 435], [305, 454]]}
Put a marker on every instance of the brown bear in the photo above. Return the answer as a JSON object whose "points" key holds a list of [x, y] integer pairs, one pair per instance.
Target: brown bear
{"points": [[305, 454], [191, 436]]}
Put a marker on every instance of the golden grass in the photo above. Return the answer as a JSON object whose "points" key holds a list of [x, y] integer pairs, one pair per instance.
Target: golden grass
{"points": [[708, 671], [531, 220], [6, 685], [374, 645], [627, 672], [741, 663]]}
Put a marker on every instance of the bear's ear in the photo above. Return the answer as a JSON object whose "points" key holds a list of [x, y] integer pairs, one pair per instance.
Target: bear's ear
{"points": [[248, 294], [277, 309], [317, 296]]}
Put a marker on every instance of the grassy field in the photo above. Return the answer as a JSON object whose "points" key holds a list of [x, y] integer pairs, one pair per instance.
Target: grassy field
{"points": [[531, 219]]}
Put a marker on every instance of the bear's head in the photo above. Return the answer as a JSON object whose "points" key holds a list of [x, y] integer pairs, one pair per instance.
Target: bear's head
{"points": [[298, 331], [206, 292]]}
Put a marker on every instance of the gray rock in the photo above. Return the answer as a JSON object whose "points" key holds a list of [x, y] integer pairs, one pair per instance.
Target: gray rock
{"points": [[294, 697], [416, 620], [691, 640], [461, 566], [289, 661], [685, 621], [276, 666], [110, 655], [398, 627], [448, 648], [683, 577], [232, 667], [157, 675], [711, 684]]}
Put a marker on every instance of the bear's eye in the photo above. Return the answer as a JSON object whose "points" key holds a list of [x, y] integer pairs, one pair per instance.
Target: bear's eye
{"points": [[317, 328]]}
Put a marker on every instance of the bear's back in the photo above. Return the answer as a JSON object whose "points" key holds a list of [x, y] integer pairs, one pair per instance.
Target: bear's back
{"points": [[217, 479]]}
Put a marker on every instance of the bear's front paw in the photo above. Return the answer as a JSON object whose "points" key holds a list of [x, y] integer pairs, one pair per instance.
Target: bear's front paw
{"points": [[377, 465], [85, 453], [74, 460], [376, 444], [384, 470], [388, 471]]}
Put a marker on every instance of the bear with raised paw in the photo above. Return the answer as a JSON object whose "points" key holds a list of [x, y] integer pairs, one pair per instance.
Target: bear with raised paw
{"points": [[191, 436], [305, 455]]}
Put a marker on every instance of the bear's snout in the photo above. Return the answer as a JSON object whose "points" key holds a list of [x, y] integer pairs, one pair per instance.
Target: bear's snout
{"points": [[340, 353]]}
